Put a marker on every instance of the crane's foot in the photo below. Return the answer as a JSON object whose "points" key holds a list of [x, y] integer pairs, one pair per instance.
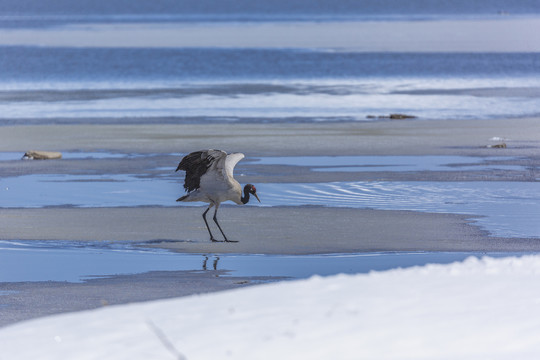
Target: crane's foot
{"points": [[226, 240]]}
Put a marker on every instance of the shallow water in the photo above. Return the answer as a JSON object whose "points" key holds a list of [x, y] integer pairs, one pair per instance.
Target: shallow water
{"points": [[505, 208], [77, 262]]}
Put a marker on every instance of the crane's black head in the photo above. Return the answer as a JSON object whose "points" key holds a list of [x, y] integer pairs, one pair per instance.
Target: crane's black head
{"points": [[249, 189]]}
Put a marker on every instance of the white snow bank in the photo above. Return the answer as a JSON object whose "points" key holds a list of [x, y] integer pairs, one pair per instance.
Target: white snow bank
{"points": [[476, 309]]}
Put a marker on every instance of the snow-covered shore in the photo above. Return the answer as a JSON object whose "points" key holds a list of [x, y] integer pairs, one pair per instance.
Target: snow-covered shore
{"points": [[476, 309]]}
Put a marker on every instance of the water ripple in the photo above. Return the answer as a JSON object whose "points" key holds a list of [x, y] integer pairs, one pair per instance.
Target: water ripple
{"points": [[506, 208]]}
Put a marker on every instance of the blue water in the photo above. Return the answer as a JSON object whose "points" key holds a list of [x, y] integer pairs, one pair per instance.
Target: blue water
{"points": [[76, 84], [54, 12], [16, 13], [161, 67], [77, 262]]}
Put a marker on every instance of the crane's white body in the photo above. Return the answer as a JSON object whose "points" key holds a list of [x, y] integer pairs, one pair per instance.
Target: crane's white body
{"points": [[209, 178], [218, 184]]}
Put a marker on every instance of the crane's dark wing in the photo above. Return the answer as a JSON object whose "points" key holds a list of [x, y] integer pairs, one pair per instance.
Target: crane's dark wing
{"points": [[196, 164]]}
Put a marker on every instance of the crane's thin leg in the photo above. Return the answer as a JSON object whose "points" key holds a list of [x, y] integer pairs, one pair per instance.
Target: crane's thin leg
{"points": [[219, 227], [206, 222]]}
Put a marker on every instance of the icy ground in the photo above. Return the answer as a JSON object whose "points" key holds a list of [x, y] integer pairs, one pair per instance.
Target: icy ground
{"points": [[477, 309]]}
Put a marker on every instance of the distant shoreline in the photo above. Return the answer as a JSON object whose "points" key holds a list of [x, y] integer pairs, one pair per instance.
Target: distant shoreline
{"points": [[507, 34]]}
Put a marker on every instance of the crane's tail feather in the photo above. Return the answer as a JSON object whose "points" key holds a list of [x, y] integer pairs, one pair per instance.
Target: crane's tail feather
{"points": [[182, 198]]}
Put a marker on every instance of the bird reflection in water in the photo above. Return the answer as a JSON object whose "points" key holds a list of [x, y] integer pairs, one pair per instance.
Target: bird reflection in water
{"points": [[214, 263]]}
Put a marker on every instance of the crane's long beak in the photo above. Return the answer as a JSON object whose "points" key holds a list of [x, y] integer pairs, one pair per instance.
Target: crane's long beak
{"points": [[257, 197]]}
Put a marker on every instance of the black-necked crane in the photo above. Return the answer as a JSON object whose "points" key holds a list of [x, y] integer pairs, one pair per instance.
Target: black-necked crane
{"points": [[209, 178]]}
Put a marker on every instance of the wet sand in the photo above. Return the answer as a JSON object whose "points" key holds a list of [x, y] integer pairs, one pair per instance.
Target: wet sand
{"points": [[386, 137], [27, 300], [259, 230]]}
